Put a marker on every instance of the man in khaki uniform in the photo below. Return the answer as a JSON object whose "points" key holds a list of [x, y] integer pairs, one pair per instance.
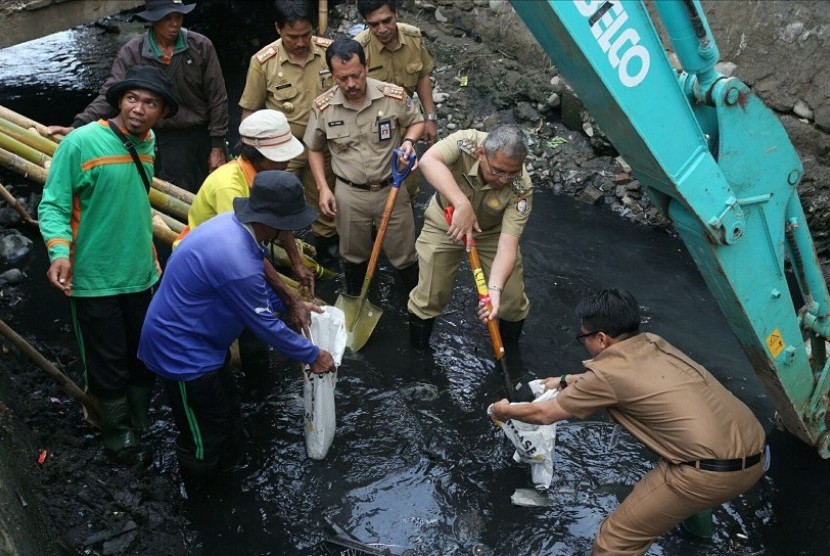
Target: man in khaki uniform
{"points": [[287, 75], [396, 54], [482, 175], [361, 121], [711, 446]]}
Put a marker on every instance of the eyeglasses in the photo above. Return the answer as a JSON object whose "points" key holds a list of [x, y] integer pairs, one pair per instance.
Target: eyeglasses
{"points": [[581, 337], [496, 173]]}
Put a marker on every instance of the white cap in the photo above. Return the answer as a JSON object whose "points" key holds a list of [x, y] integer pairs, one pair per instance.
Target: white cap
{"points": [[268, 131]]}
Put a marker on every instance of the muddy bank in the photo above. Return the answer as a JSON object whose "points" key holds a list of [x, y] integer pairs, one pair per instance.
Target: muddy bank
{"points": [[487, 69]]}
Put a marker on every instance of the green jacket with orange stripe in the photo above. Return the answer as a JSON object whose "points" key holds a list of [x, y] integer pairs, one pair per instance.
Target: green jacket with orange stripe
{"points": [[95, 211]]}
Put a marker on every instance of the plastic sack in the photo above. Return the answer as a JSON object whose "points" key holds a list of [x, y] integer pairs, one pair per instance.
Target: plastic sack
{"points": [[328, 332], [534, 443]]}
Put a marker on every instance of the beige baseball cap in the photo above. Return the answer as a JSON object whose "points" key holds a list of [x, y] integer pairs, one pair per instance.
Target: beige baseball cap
{"points": [[268, 131]]}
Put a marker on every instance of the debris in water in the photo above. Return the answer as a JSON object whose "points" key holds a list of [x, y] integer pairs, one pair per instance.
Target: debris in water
{"points": [[530, 498]]}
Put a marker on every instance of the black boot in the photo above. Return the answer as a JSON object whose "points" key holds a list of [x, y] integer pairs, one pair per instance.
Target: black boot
{"points": [[327, 248], [419, 331], [197, 475], [408, 277], [510, 331], [354, 273]]}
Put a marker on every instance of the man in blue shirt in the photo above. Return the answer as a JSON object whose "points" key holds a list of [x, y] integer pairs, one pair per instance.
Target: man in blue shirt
{"points": [[214, 286]]}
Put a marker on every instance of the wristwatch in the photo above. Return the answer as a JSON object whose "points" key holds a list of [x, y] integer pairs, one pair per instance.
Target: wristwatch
{"points": [[563, 382], [432, 117]]}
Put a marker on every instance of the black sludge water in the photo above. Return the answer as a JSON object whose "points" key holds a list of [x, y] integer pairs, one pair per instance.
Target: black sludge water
{"points": [[416, 467]]}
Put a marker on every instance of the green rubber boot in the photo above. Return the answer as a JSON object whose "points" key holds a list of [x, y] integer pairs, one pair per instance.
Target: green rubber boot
{"points": [[117, 433], [138, 398], [699, 525]]}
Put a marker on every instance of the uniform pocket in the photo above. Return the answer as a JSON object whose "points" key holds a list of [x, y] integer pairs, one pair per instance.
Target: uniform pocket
{"points": [[285, 91]]}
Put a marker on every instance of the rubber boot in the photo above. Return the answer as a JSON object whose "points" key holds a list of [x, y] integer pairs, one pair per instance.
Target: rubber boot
{"points": [[419, 332], [510, 331], [138, 398], [197, 475], [117, 433], [408, 277], [354, 273], [327, 248], [699, 525]]}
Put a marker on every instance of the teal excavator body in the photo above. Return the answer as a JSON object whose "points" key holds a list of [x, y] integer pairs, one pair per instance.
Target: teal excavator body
{"points": [[719, 164]]}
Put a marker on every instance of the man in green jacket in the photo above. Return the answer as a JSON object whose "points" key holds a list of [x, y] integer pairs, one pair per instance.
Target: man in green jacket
{"points": [[95, 219]]}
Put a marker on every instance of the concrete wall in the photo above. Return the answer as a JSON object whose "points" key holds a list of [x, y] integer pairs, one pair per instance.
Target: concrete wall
{"points": [[25, 20]]}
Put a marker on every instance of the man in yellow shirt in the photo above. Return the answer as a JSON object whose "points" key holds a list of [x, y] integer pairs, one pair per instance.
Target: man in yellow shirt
{"points": [[266, 143]]}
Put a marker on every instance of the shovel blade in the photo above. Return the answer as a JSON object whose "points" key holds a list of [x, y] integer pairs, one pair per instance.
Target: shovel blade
{"points": [[360, 321]]}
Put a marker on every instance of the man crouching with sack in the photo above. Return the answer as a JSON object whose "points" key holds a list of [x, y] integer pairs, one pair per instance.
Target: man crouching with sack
{"points": [[711, 446]]}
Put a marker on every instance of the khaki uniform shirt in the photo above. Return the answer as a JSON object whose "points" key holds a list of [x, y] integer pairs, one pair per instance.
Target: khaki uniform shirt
{"points": [[275, 82], [405, 65], [667, 401], [507, 208], [361, 139]]}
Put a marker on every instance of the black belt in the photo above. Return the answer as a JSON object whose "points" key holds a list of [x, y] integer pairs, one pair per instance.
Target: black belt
{"points": [[724, 464], [366, 186]]}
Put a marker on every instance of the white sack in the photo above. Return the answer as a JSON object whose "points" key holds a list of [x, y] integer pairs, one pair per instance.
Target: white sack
{"points": [[534, 443], [328, 332]]}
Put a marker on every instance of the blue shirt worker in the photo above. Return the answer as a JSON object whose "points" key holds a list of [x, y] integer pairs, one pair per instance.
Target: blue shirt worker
{"points": [[214, 286]]}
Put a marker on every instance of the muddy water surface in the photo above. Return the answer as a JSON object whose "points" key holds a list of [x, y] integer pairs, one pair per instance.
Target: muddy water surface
{"points": [[416, 466]]}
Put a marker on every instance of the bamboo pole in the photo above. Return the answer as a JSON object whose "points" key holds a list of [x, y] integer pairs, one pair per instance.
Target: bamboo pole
{"points": [[171, 222], [323, 16], [280, 255], [174, 191], [28, 123], [13, 202], [89, 405], [28, 170], [162, 231], [170, 205], [34, 140], [22, 150]]}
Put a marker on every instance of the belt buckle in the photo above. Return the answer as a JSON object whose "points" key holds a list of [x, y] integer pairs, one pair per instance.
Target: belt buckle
{"points": [[376, 187]]}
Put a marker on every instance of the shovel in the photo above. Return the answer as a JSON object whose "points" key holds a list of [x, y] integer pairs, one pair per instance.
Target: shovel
{"points": [[492, 326], [361, 315]]}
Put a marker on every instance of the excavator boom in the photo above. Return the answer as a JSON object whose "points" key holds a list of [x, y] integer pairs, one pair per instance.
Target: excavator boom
{"points": [[719, 164]]}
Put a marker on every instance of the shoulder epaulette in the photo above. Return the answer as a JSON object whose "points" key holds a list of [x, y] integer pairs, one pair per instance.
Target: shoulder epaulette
{"points": [[394, 91], [322, 42], [466, 146], [363, 38], [266, 53], [323, 101], [409, 30]]}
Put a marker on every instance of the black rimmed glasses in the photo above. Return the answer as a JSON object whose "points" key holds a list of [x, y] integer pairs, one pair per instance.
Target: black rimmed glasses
{"points": [[501, 174], [581, 336]]}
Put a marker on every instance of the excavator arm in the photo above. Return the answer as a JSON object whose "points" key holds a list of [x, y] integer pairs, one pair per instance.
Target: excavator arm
{"points": [[719, 164]]}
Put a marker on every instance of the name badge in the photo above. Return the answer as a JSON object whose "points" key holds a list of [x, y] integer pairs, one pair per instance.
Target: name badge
{"points": [[335, 123], [384, 130]]}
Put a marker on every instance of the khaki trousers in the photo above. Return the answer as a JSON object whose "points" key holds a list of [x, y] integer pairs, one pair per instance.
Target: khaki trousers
{"points": [[358, 210], [664, 497], [439, 259]]}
